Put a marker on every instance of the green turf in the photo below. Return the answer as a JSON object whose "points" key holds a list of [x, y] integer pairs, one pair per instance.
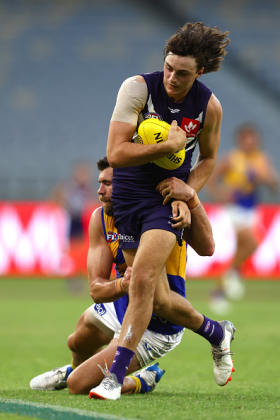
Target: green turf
{"points": [[36, 316], [8, 416]]}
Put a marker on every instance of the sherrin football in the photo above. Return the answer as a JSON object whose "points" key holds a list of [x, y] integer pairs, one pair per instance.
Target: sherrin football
{"points": [[153, 131]]}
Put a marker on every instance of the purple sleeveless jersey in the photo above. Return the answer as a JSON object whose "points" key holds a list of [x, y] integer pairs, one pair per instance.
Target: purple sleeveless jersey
{"points": [[137, 204]]}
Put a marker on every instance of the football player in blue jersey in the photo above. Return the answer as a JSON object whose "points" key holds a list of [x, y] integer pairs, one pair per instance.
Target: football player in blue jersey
{"points": [[100, 324], [176, 96]]}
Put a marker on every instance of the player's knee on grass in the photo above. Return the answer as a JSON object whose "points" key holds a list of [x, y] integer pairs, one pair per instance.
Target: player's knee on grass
{"points": [[76, 385], [72, 385], [70, 342]]}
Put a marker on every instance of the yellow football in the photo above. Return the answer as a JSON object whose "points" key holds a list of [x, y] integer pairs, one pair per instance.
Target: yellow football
{"points": [[154, 131]]}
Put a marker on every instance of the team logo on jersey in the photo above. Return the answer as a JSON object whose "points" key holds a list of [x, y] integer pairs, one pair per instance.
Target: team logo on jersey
{"points": [[152, 115], [173, 111], [207, 326], [100, 309], [190, 126], [112, 237]]}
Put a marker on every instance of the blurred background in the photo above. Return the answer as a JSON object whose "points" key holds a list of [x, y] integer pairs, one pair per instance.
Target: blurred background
{"points": [[62, 63]]}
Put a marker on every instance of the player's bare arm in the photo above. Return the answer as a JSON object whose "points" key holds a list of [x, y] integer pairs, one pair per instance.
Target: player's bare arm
{"points": [[99, 263], [198, 234], [121, 152], [174, 188], [181, 214], [267, 174], [217, 190], [209, 140]]}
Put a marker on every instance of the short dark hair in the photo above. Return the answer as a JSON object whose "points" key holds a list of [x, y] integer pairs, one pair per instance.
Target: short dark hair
{"points": [[201, 42], [248, 128], [103, 164]]}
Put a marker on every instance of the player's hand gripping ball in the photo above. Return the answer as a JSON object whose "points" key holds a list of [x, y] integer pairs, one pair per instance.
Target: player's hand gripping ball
{"points": [[154, 131]]}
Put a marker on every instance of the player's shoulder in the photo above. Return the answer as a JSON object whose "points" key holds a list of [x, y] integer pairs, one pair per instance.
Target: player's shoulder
{"points": [[96, 212], [133, 89], [130, 81], [214, 108], [96, 218]]}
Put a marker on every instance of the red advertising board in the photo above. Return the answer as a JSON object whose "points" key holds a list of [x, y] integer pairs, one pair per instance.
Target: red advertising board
{"points": [[34, 241]]}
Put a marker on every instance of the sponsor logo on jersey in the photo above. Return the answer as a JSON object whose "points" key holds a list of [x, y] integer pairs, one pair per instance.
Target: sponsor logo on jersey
{"points": [[126, 238], [190, 126], [100, 309], [112, 237], [173, 111], [207, 326], [152, 115]]}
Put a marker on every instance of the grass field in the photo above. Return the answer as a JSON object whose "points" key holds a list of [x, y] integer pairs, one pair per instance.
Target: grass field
{"points": [[36, 316]]}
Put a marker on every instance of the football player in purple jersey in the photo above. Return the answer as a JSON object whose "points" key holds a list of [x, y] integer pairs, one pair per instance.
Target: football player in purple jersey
{"points": [[100, 324], [176, 96]]}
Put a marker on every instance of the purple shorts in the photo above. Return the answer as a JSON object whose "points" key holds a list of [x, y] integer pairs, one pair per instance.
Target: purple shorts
{"points": [[134, 217]]}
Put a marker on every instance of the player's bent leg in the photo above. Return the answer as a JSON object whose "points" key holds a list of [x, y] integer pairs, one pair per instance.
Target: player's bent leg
{"points": [[233, 284], [86, 340], [152, 346], [175, 308], [247, 243], [88, 375], [154, 249], [219, 334], [149, 262]]}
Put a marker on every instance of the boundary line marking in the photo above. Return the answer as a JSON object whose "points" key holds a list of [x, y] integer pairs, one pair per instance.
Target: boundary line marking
{"points": [[48, 411]]}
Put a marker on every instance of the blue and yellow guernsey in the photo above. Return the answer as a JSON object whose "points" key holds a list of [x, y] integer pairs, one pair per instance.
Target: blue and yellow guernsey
{"points": [[240, 177], [175, 267]]}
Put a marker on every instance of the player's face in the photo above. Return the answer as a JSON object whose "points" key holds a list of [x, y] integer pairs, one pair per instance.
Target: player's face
{"points": [[249, 141], [179, 74], [105, 190]]}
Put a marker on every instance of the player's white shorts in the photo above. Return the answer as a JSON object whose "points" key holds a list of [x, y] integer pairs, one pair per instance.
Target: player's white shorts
{"points": [[241, 217], [151, 346]]}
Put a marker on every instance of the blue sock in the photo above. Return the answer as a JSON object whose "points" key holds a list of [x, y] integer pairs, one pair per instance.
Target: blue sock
{"points": [[68, 371], [121, 362], [144, 387], [211, 330]]}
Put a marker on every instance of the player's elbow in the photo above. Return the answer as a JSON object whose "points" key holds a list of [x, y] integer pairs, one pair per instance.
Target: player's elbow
{"points": [[208, 249], [211, 248], [95, 296], [94, 292], [113, 159]]}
